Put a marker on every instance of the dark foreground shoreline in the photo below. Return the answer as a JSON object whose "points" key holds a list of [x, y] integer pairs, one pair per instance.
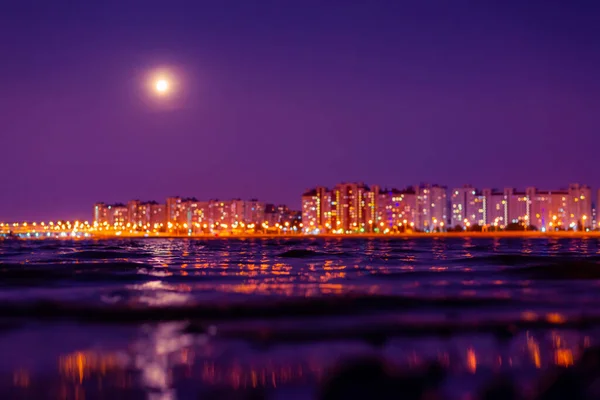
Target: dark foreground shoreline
{"points": [[419, 317]]}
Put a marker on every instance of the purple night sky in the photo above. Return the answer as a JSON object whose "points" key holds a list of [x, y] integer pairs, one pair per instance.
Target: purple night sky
{"points": [[275, 97]]}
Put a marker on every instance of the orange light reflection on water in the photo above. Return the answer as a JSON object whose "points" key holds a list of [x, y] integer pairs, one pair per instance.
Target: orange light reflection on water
{"points": [[21, 378], [563, 357], [287, 289], [534, 351], [471, 360], [96, 371], [80, 365]]}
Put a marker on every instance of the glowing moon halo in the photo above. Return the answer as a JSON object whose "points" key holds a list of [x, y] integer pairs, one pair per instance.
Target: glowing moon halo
{"points": [[162, 85]]}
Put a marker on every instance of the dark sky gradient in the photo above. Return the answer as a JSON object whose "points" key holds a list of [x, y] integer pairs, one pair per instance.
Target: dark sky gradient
{"points": [[278, 96]]}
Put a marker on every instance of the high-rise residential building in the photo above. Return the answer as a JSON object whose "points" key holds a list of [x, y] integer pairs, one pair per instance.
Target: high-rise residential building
{"points": [[139, 214], [396, 210], [292, 220], [292, 217], [190, 214], [326, 197], [373, 199], [316, 210], [356, 208], [113, 215], [431, 208], [547, 209], [219, 214], [468, 207], [183, 215], [342, 210], [216, 215], [580, 207], [158, 216], [118, 215], [199, 216], [272, 215], [280, 214], [477, 214], [550, 210], [237, 212], [310, 213], [144, 219], [133, 212], [543, 210], [408, 206], [518, 208], [101, 214], [144, 211], [254, 212], [175, 211], [458, 206], [495, 209], [348, 207], [246, 212]]}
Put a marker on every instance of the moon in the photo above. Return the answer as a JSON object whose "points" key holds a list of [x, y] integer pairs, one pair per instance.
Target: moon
{"points": [[162, 85]]}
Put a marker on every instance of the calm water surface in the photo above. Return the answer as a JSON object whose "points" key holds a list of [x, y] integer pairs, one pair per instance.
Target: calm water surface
{"points": [[228, 318]]}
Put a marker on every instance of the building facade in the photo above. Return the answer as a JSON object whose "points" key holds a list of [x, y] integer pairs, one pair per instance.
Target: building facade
{"points": [[396, 210], [158, 216], [316, 210], [580, 207], [101, 214], [468, 207], [348, 207], [431, 208]]}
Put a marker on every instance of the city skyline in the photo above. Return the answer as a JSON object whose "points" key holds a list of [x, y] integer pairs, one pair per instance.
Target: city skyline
{"points": [[296, 204], [494, 94], [355, 207], [359, 208]]}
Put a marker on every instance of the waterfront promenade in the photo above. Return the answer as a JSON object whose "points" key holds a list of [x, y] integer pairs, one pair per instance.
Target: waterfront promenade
{"points": [[38, 232]]}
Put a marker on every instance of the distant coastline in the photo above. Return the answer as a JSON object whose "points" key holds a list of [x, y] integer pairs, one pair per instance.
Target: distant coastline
{"points": [[502, 234], [517, 234]]}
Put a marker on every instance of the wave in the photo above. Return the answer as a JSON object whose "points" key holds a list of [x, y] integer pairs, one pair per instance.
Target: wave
{"points": [[503, 259], [305, 253], [46, 274], [407, 251], [428, 274], [12, 254], [526, 259], [562, 270], [103, 255], [263, 308], [300, 253], [378, 333], [285, 242]]}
